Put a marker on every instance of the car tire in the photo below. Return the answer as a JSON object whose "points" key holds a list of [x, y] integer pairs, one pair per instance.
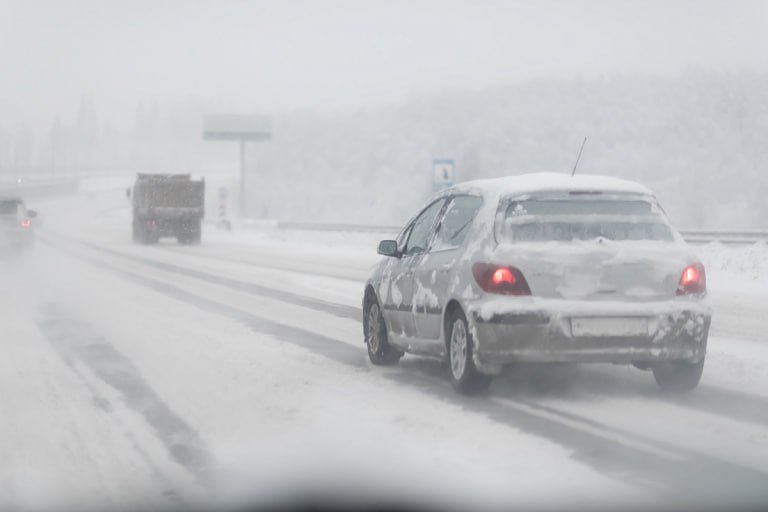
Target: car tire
{"points": [[465, 377], [379, 351], [678, 376]]}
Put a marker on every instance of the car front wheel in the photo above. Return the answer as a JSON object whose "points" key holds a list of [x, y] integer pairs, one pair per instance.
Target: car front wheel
{"points": [[465, 377]]}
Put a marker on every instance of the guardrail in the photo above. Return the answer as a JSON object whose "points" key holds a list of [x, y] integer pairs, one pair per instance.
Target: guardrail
{"points": [[692, 236], [698, 236], [318, 226]]}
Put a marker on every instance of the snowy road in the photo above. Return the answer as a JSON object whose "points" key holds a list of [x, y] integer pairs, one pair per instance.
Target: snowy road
{"points": [[169, 375]]}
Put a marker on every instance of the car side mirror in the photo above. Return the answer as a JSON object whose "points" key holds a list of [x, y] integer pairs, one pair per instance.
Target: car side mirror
{"points": [[31, 214], [388, 248]]}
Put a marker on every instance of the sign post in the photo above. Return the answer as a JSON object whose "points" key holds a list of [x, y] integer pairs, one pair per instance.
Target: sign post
{"points": [[242, 128], [223, 223], [442, 174]]}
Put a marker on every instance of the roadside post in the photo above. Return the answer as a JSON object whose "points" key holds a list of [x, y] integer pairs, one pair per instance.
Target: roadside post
{"points": [[222, 222]]}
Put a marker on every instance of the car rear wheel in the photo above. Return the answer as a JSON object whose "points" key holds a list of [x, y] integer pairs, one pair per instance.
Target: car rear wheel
{"points": [[379, 351], [465, 377], [678, 376]]}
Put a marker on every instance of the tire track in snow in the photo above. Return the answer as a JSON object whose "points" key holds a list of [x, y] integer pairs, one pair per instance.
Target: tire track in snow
{"points": [[339, 310], [684, 477], [72, 337], [732, 404], [326, 346], [324, 269]]}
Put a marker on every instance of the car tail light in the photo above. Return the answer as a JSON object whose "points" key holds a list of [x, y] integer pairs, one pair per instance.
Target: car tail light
{"points": [[693, 280], [501, 279], [25, 223]]}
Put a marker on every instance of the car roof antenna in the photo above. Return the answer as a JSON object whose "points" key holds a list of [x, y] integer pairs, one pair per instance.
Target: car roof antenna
{"points": [[578, 157]]}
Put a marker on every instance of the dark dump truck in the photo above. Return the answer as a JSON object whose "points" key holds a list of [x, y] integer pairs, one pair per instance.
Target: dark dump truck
{"points": [[168, 205]]}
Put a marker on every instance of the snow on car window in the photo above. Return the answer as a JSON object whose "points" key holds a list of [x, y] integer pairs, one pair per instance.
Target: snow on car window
{"points": [[578, 207], [456, 222], [563, 220]]}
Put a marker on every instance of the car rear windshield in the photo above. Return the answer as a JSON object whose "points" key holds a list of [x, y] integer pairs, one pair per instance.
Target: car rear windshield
{"points": [[564, 220], [9, 207]]}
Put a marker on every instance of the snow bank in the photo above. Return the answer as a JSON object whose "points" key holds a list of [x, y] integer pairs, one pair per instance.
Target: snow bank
{"points": [[735, 268]]}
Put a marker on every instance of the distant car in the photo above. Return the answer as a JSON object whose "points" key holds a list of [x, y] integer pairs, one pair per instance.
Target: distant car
{"points": [[16, 223], [540, 268]]}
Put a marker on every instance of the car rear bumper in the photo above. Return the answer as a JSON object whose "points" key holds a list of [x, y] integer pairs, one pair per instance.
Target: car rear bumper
{"points": [[635, 332]]}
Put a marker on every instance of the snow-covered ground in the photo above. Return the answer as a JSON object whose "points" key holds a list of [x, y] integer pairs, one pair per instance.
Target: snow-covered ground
{"points": [[235, 371]]}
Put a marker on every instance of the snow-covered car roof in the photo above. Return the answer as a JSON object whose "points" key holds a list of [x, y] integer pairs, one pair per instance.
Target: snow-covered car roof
{"points": [[549, 182]]}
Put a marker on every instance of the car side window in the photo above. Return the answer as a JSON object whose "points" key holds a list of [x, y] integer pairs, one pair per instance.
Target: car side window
{"points": [[421, 229], [456, 222]]}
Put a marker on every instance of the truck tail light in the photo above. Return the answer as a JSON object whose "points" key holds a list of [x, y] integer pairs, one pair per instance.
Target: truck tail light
{"points": [[501, 279], [693, 280]]}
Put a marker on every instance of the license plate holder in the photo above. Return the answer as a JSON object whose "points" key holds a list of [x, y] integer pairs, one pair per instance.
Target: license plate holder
{"points": [[618, 327]]}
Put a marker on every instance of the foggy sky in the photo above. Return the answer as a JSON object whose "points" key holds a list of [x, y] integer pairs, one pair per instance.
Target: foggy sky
{"points": [[268, 56]]}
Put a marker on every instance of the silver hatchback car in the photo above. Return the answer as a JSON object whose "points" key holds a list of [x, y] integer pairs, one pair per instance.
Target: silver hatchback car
{"points": [[540, 268]]}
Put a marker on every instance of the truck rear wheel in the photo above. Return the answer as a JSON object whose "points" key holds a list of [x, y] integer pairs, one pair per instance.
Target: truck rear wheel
{"points": [[142, 234], [190, 235]]}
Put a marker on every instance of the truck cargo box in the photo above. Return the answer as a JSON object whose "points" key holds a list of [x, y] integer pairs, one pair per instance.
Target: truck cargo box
{"points": [[168, 205]]}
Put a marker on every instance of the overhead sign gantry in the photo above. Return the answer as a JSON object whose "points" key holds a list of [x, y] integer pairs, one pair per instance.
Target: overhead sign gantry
{"points": [[242, 128]]}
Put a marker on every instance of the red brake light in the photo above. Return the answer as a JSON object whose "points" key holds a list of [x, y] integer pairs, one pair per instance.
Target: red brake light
{"points": [[503, 275], [693, 280], [25, 223], [504, 280]]}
